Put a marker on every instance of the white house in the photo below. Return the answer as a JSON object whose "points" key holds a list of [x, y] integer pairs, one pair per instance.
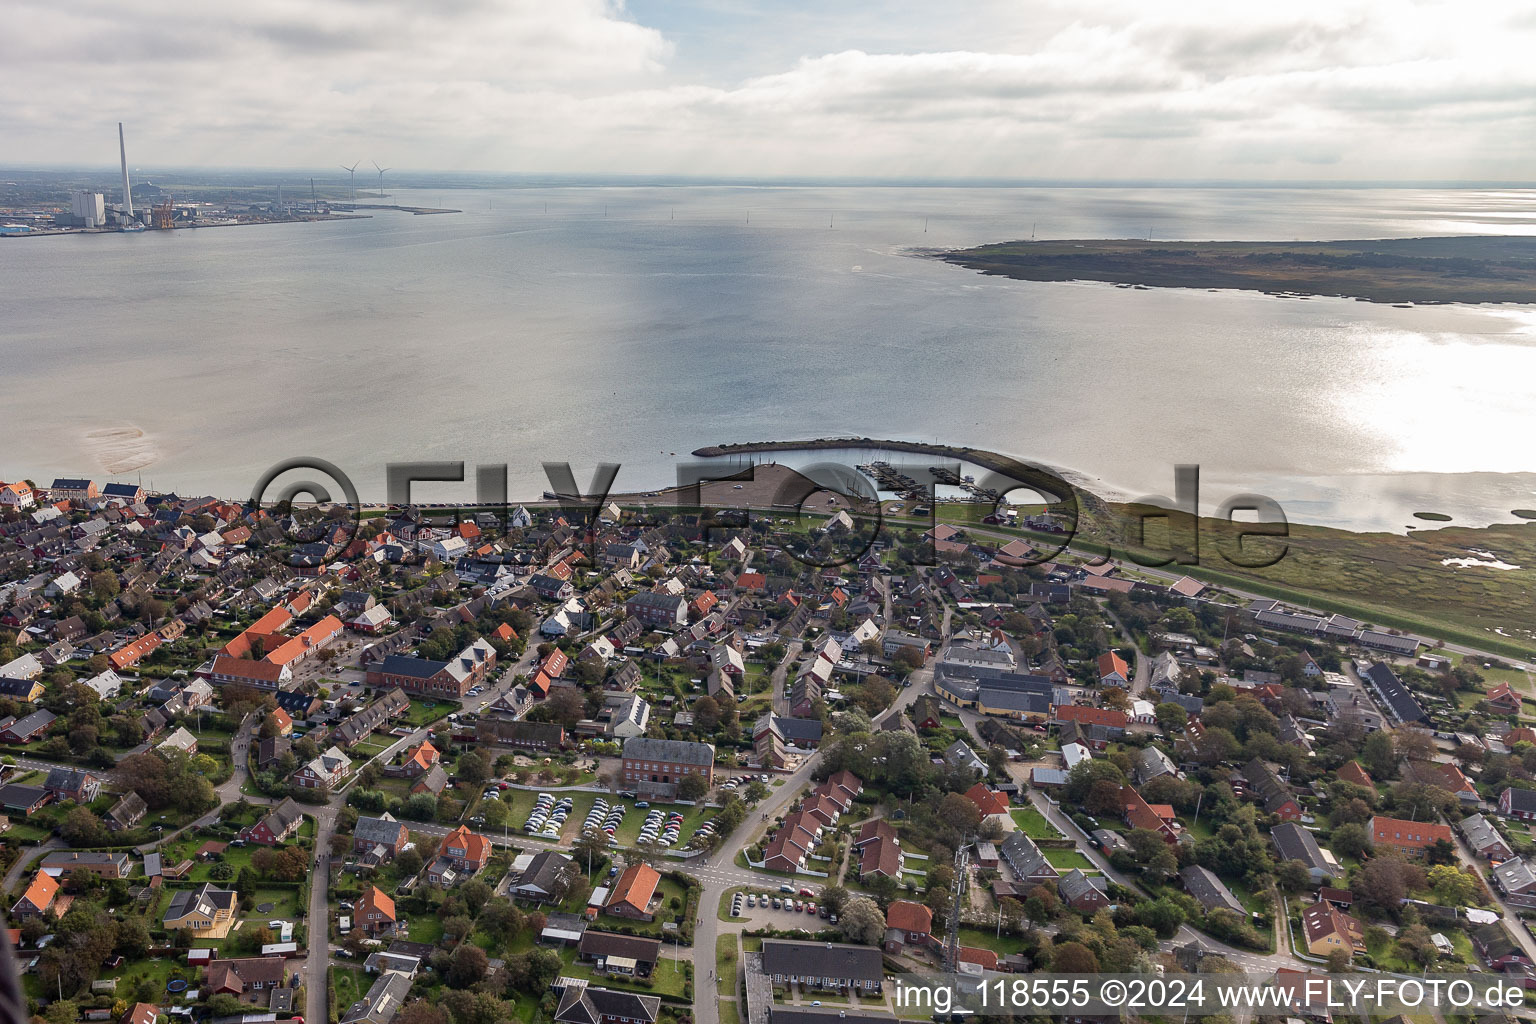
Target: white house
{"points": [[62, 585], [107, 685], [17, 495], [447, 549]]}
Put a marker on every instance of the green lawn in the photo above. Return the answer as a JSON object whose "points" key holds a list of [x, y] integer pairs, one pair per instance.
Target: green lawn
{"points": [[1066, 860], [285, 904], [418, 714], [666, 981], [727, 1010], [726, 957], [983, 938], [350, 984], [1033, 824], [425, 928]]}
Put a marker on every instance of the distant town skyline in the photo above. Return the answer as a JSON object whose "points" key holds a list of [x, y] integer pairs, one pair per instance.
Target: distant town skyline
{"points": [[1362, 90]]}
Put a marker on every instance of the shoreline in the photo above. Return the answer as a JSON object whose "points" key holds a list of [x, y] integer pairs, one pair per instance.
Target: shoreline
{"points": [[1404, 272]]}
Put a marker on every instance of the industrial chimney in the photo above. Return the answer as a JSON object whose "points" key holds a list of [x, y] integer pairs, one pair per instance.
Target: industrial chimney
{"points": [[127, 193]]}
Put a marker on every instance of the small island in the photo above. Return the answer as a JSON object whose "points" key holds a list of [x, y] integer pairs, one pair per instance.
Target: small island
{"points": [[1471, 269]]}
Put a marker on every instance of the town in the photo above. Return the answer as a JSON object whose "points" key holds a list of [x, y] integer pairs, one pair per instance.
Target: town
{"points": [[420, 767]]}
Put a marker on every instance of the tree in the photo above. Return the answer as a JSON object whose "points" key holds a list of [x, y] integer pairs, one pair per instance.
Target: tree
{"points": [[1381, 884], [473, 768], [1351, 840], [1163, 916], [82, 828], [692, 787], [420, 807], [1292, 875], [876, 694], [1011, 912], [1452, 886], [1378, 755], [421, 1012], [566, 706], [1171, 717], [466, 965], [862, 921], [1441, 851], [1082, 778], [1074, 958], [706, 713]]}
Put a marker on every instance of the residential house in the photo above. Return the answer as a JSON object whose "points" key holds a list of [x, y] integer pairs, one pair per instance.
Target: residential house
{"points": [[379, 839], [1029, 864], [1086, 894], [72, 784], [251, 979], [329, 770], [127, 812], [611, 953], [634, 893], [1274, 796], [99, 863], [382, 1002], [1153, 763], [1517, 802], [545, 878], [462, 854], [907, 924], [28, 728], [375, 912], [1409, 838], [38, 899], [1296, 843], [1484, 839], [1325, 929], [206, 910], [1209, 891], [590, 1004], [277, 825], [823, 965]]}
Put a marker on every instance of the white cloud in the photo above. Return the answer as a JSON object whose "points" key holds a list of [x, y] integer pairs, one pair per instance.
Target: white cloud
{"points": [[1358, 88]]}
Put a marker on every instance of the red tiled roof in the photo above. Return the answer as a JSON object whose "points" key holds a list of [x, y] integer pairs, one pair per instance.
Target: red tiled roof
{"points": [[1110, 662], [1091, 716], [1354, 772], [1399, 833], [909, 917], [987, 801], [373, 899], [635, 886], [315, 636]]}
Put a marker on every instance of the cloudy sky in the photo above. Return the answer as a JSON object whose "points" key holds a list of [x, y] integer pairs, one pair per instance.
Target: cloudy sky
{"points": [[1309, 89]]}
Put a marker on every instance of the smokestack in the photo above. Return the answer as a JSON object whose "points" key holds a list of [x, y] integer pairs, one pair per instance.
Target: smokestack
{"points": [[127, 192]]}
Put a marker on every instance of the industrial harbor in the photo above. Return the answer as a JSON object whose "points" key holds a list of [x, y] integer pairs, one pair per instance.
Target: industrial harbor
{"points": [[49, 207]]}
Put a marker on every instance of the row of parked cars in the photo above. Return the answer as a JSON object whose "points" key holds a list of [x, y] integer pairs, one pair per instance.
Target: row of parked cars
{"points": [[787, 901], [659, 826], [547, 817], [742, 780], [605, 820]]}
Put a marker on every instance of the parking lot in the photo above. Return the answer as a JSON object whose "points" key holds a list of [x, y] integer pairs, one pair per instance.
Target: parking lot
{"points": [[763, 914]]}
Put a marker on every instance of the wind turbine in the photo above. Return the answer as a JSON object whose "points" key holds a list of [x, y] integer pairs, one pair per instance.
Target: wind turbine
{"points": [[353, 172], [381, 171]]}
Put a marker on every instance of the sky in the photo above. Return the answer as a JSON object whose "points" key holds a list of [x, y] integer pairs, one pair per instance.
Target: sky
{"points": [[1018, 89]]}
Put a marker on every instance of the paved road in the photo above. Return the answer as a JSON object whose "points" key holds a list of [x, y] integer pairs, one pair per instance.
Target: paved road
{"points": [[718, 871]]}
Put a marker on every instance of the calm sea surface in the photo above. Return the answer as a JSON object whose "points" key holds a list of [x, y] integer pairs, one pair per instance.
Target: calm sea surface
{"points": [[628, 324]]}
